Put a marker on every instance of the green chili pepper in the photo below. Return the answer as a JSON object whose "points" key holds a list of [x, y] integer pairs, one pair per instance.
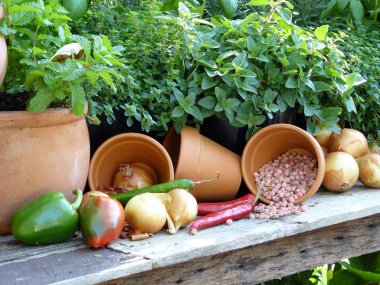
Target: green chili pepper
{"points": [[50, 218], [165, 187]]}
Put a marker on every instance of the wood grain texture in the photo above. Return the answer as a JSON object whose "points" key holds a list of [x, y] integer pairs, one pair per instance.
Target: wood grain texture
{"points": [[270, 260]]}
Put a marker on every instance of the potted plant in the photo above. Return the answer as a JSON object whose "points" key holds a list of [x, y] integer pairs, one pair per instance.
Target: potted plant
{"points": [[45, 143]]}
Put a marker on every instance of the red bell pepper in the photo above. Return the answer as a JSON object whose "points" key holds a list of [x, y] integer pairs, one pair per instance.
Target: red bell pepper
{"points": [[101, 221]]}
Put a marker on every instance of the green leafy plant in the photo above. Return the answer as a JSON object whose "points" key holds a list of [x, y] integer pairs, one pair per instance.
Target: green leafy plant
{"points": [[248, 70], [353, 8], [360, 46], [35, 30], [307, 12]]}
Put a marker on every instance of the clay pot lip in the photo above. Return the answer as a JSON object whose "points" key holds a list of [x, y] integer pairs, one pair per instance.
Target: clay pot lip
{"points": [[109, 143], [46, 118], [246, 158]]}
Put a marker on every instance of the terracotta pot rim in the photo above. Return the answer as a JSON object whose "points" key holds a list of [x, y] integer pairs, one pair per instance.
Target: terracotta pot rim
{"points": [[126, 136], [48, 117], [310, 139]]}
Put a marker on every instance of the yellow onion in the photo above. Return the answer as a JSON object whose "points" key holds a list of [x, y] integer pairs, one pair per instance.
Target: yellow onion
{"points": [[341, 172], [182, 208], [369, 170], [349, 140], [146, 213], [323, 137], [136, 175]]}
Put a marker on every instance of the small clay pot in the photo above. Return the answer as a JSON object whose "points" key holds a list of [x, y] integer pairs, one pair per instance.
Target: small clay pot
{"points": [[127, 148], [198, 158], [273, 141]]}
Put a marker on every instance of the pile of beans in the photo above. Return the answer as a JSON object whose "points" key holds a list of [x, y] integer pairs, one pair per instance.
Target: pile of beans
{"points": [[283, 181]]}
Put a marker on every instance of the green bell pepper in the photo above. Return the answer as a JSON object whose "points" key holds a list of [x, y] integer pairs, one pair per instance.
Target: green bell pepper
{"points": [[48, 219]]}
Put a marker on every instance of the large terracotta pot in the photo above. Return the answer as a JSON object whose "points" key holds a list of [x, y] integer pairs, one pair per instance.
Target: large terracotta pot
{"points": [[196, 157], [3, 52], [271, 142], [40, 152]]}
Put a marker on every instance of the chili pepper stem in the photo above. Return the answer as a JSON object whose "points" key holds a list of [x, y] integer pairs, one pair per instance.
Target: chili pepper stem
{"points": [[208, 180], [78, 199]]}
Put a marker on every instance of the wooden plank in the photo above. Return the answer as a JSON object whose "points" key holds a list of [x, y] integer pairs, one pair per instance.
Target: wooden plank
{"points": [[270, 260], [58, 266]]}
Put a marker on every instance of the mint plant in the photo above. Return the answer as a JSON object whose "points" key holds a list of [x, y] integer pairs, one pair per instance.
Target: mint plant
{"points": [[250, 69], [35, 30]]}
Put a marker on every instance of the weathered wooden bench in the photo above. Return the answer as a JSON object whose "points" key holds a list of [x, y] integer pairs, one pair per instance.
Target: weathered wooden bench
{"points": [[335, 226]]}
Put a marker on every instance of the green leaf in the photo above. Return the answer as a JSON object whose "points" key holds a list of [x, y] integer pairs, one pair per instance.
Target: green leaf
{"points": [[208, 83], [321, 86], [263, 58], [170, 5], [357, 11], [220, 93], [285, 14], [107, 79], [342, 4], [321, 32], [196, 113], [177, 112], [92, 76], [354, 79], [207, 102], [291, 83], [78, 98], [209, 43], [330, 8], [309, 83], [41, 100], [349, 103], [355, 267], [289, 96], [240, 60], [30, 77], [259, 3]]}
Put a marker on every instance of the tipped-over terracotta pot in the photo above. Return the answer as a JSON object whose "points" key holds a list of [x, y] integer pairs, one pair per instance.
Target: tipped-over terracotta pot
{"points": [[40, 152], [128, 148], [273, 141], [198, 158]]}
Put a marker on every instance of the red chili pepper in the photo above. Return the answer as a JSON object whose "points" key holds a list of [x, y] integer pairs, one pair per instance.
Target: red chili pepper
{"points": [[101, 221], [216, 218], [207, 208]]}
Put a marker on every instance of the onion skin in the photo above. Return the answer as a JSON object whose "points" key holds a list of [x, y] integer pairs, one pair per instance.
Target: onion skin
{"points": [[323, 137], [349, 140], [341, 173], [182, 208], [369, 170], [145, 213], [135, 175]]}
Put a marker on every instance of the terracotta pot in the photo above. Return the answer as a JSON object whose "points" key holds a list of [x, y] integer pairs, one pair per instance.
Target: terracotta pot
{"points": [[127, 148], [196, 157], [272, 141], [40, 152]]}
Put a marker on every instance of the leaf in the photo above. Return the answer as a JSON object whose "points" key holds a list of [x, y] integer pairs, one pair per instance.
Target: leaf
{"points": [[259, 3], [209, 43], [41, 100], [357, 11], [240, 60], [107, 79], [354, 79], [321, 86], [177, 112], [208, 83], [78, 98], [349, 103], [291, 83], [341, 5], [289, 96], [309, 83], [321, 32], [92, 76], [330, 8], [207, 102], [196, 113], [170, 5], [30, 77], [285, 14], [354, 267]]}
